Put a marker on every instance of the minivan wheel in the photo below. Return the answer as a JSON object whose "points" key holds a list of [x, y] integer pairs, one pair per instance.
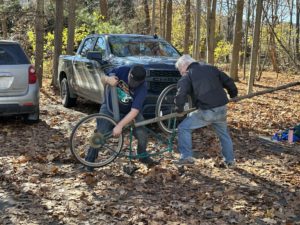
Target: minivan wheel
{"points": [[32, 117], [66, 99]]}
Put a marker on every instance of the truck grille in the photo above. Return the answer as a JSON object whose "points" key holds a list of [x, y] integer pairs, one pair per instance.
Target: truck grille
{"points": [[164, 73], [159, 79]]}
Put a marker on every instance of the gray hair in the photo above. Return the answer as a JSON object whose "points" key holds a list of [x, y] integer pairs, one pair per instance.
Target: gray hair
{"points": [[184, 60]]}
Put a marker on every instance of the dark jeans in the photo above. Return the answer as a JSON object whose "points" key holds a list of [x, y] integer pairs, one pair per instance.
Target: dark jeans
{"points": [[140, 133]]}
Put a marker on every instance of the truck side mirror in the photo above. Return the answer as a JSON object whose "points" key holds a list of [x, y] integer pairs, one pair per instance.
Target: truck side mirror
{"points": [[93, 55]]}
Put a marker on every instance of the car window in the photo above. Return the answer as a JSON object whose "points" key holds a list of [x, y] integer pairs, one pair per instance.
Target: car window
{"points": [[87, 45], [12, 54], [131, 46], [100, 45]]}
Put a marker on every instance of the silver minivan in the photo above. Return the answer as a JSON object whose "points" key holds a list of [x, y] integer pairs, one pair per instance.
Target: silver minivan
{"points": [[19, 87]]}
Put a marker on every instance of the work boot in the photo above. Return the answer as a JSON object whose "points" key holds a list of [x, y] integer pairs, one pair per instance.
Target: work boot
{"points": [[148, 162]]}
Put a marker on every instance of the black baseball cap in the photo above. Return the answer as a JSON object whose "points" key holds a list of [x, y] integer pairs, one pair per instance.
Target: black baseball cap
{"points": [[136, 76]]}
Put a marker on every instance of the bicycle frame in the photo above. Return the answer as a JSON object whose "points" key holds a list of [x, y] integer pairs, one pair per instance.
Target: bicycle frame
{"points": [[169, 142]]}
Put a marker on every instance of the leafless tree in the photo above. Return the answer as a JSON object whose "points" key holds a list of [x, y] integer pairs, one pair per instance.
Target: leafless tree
{"points": [[104, 10], [196, 53], [153, 18], [147, 17], [255, 46], [3, 22], [210, 27], [187, 26], [169, 20], [58, 29], [71, 27], [39, 39], [237, 40]]}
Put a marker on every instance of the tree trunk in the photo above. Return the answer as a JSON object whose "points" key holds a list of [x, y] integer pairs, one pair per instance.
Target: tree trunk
{"points": [[237, 40], [153, 29], [196, 53], [298, 30], [230, 20], [160, 18], [39, 42], [272, 46], [169, 21], [3, 22], [71, 27], [255, 46], [211, 22], [291, 22], [246, 38], [164, 16], [147, 17], [272, 52], [57, 39], [104, 9], [187, 26]]}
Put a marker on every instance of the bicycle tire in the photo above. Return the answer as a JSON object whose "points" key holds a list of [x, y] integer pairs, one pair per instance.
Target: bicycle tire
{"points": [[166, 105], [87, 136]]}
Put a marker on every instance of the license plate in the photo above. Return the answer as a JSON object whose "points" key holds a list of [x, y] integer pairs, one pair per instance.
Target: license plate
{"points": [[5, 82]]}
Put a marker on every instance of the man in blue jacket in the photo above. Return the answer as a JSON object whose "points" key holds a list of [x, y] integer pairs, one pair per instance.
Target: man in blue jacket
{"points": [[205, 84], [131, 80]]}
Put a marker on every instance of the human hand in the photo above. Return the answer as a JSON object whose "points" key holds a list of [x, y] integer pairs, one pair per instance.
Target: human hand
{"points": [[112, 80], [117, 131], [179, 109]]}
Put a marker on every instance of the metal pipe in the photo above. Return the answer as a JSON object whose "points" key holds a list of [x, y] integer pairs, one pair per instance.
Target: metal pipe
{"points": [[115, 103]]}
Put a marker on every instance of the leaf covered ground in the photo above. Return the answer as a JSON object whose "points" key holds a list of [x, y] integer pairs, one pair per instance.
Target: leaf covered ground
{"points": [[41, 183]]}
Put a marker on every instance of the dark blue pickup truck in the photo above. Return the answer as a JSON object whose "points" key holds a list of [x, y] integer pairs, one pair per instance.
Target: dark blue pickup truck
{"points": [[79, 75]]}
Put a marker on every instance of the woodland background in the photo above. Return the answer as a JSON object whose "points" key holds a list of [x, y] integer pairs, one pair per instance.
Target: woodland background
{"points": [[244, 34]]}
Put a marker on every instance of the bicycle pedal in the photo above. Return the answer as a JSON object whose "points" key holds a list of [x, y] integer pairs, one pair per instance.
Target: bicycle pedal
{"points": [[130, 169]]}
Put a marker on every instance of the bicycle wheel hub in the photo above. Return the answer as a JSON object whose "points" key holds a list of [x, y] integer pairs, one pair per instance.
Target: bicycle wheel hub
{"points": [[97, 140]]}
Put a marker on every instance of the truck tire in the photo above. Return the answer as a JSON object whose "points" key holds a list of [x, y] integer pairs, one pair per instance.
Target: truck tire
{"points": [[66, 99]]}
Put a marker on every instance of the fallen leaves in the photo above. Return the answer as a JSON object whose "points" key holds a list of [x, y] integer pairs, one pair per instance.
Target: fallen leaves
{"points": [[40, 183]]}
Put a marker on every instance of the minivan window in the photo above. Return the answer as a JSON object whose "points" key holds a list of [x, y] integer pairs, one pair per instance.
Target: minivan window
{"points": [[12, 54]]}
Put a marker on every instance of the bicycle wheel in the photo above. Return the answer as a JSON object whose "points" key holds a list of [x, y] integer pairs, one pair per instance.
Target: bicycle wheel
{"points": [[166, 105], [92, 143]]}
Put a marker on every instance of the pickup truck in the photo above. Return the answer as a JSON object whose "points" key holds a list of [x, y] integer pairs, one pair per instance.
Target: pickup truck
{"points": [[79, 75]]}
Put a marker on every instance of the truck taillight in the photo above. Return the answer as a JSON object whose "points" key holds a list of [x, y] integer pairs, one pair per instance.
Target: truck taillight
{"points": [[32, 78]]}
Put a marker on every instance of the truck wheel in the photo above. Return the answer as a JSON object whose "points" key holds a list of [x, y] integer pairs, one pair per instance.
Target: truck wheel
{"points": [[66, 99]]}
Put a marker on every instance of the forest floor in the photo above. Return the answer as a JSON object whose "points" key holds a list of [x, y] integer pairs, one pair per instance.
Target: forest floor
{"points": [[40, 183]]}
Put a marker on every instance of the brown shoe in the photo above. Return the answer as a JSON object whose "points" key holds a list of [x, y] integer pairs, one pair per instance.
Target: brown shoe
{"points": [[148, 162]]}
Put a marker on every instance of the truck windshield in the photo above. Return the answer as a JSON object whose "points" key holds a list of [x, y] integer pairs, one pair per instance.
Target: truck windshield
{"points": [[137, 46]]}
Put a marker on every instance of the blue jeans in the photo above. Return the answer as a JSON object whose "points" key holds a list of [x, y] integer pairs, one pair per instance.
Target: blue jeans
{"points": [[140, 133], [201, 118]]}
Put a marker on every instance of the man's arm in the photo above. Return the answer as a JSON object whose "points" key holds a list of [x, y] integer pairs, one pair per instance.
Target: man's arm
{"points": [[228, 84], [183, 89], [126, 120]]}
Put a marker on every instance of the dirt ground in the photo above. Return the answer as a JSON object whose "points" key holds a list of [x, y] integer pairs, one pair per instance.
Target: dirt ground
{"points": [[41, 183]]}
